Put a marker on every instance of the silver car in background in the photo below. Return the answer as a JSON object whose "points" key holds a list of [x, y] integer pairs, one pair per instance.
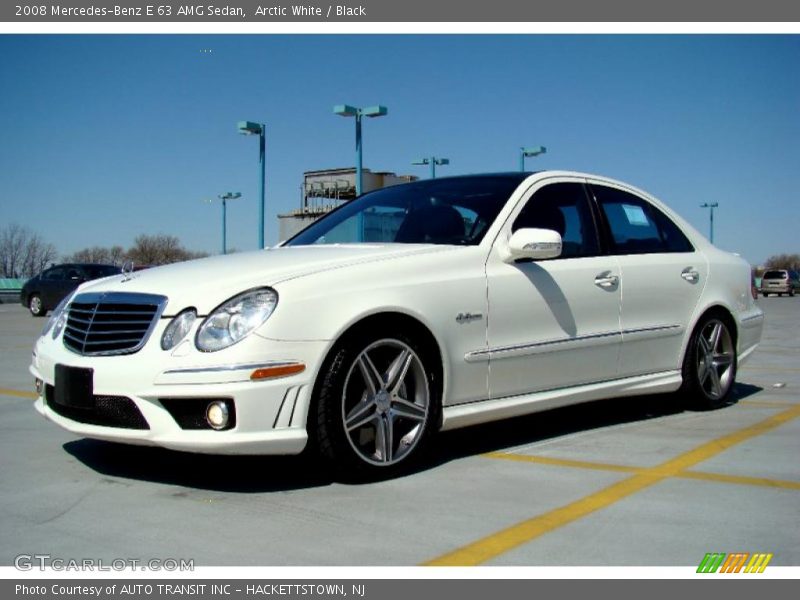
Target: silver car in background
{"points": [[779, 281]]}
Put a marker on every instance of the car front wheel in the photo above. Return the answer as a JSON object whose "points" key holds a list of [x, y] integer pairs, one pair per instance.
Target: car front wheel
{"points": [[377, 404], [36, 306], [709, 367]]}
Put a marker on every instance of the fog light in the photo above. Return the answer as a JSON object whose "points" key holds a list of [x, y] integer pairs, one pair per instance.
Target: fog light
{"points": [[39, 386], [217, 415]]}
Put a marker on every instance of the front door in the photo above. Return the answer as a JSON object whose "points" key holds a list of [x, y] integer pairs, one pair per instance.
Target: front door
{"points": [[553, 323]]}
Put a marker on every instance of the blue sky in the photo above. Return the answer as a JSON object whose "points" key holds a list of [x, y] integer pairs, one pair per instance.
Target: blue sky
{"points": [[106, 137]]}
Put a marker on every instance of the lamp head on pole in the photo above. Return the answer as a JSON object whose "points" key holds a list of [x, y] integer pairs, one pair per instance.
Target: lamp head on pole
{"points": [[249, 128], [533, 151]]}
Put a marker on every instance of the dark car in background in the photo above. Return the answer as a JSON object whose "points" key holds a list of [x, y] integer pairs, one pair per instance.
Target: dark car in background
{"points": [[780, 281], [51, 286]]}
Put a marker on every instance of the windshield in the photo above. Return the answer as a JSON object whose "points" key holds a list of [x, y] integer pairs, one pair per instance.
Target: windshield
{"points": [[454, 210]]}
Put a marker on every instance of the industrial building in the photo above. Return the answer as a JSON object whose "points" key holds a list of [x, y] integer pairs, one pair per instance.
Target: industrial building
{"points": [[324, 190]]}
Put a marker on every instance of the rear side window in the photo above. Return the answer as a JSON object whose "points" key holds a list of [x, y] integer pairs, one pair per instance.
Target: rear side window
{"points": [[636, 226], [97, 271]]}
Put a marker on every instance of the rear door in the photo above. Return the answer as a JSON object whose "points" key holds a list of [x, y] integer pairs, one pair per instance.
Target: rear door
{"points": [[662, 277], [52, 286]]}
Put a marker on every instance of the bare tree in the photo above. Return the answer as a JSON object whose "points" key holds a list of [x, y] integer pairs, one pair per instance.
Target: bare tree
{"points": [[95, 254], [784, 261], [148, 250], [38, 255], [117, 255], [23, 253], [12, 240], [159, 249]]}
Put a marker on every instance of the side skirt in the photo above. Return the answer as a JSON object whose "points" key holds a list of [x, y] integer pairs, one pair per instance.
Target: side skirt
{"points": [[463, 415]]}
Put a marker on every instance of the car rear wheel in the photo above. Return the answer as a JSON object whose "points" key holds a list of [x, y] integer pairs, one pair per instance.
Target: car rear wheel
{"points": [[36, 306], [377, 404], [709, 367]]}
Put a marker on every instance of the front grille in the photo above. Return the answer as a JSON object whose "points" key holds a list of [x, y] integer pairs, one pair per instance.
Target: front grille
{"points": [[108, 411], [111, 323]]}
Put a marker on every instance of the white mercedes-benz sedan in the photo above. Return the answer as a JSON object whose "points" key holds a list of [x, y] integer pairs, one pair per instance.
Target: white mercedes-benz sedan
{"points": [[413, 309]]}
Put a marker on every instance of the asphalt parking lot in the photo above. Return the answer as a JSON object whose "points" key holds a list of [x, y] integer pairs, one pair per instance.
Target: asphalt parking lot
{"points": [[621, 482]]}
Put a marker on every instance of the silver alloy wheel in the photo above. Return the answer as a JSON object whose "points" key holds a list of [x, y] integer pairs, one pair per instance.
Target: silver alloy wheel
{"points": [[715, 354], [35, 305], [385, 402]]}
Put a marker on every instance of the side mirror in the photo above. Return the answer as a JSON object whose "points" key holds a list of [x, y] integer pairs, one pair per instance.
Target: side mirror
{"points": [[535, 244]]}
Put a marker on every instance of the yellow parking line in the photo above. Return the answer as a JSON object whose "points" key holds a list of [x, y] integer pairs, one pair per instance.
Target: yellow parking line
{"points": [[563, 462], [767, 403], [18, 393], [739, 479], [699, 475], [495, 544]]}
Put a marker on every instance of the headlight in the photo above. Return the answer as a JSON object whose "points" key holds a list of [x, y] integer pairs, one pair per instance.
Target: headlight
{"points": [[59, 316], [235, 319], [178, 328]]}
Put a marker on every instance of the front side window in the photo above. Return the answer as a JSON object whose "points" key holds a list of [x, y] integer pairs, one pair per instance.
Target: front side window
{"points": [[562, 207], [636, 226], [456, 210]]}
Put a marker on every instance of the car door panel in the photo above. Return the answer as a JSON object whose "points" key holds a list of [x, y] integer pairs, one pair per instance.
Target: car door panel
{"points": [[553, 323], [662, 276], [657, 303]]}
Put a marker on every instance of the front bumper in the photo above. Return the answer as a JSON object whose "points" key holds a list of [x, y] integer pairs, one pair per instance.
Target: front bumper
{"points": [[270, 414]]}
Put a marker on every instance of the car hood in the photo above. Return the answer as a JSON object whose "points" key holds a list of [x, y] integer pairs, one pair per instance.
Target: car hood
{"points": [[207, 282]]}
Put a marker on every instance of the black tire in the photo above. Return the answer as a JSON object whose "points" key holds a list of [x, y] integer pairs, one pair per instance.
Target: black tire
{"points": [[36, 306], [765, 294], [709, 366], [390, 427]]}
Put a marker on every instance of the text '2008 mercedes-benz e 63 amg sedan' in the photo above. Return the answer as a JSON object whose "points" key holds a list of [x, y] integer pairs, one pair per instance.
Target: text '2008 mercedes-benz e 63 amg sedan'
{"points": [[413, 309]]}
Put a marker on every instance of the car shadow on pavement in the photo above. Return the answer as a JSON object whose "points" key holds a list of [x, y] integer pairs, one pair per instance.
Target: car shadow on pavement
{"points": [[264, 474], [546, 425], [236, 474]]}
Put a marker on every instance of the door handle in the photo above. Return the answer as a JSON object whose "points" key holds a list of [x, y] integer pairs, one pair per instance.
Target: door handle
{"points": [[690, 275], [606, 280]]}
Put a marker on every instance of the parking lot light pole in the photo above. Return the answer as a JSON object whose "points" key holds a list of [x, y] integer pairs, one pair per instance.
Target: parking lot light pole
{"points": [[432, 161], [345, 110], [250, 128], [532, 151], [710, 206], [225, 197]]}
